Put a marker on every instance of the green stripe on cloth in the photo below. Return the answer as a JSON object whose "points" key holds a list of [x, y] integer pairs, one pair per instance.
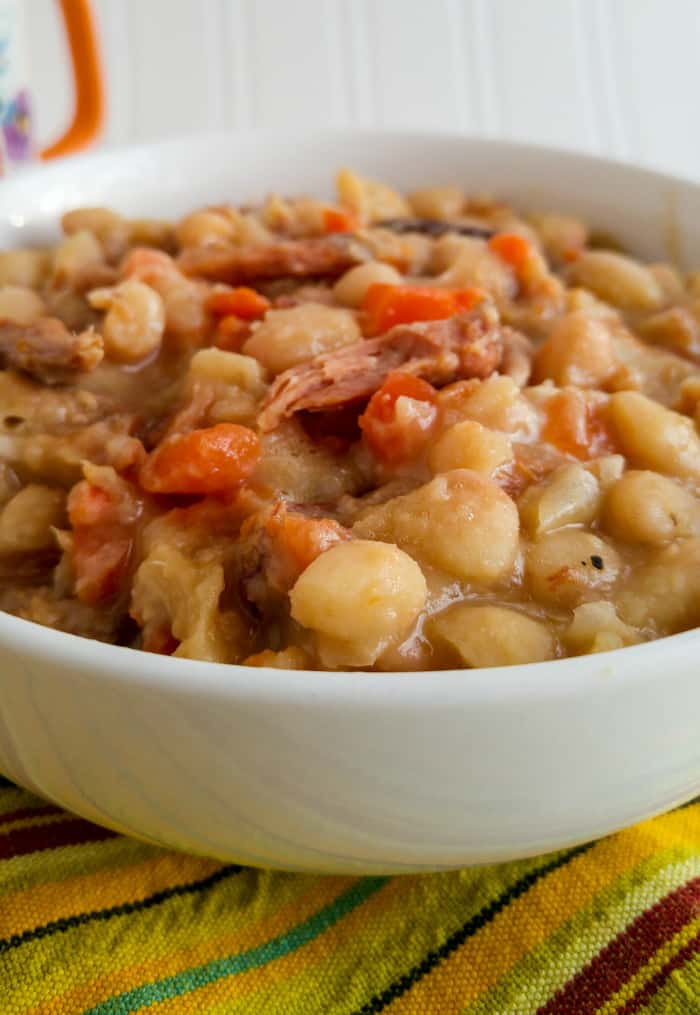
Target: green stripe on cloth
{"points": [[192, 979]]}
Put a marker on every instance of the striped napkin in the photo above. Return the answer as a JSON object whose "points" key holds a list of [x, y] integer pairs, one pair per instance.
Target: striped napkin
{"points": [[93, 922]]}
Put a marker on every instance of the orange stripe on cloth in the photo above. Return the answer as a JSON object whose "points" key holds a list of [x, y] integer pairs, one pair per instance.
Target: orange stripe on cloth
{"points": [[483, 959]]}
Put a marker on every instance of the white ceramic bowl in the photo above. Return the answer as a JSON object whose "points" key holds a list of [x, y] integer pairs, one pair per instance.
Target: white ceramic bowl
{"points": [[346, 771]]}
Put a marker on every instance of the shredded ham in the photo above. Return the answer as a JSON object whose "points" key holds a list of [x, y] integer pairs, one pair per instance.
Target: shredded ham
{"points": [[325, 256], [468, 345], [48, 351]]}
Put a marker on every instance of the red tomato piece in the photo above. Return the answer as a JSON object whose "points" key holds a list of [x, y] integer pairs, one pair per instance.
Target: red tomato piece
{"points": [[399, 418], [211, 460]]}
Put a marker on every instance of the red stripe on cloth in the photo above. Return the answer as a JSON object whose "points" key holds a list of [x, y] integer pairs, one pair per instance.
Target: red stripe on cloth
{"points": [[657, 981], [66, 833], [626, 954], [29, 812]]}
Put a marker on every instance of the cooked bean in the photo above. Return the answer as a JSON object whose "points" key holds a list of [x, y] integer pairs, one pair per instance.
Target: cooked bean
{"points": [[567, 567], [654, 437], [469, 445], [561, 235], [596, 627], [492, 635], [358, 597], [291, 336], [112, 231], [20, 303], [570, 495], [663, 595], [73, 255], [134, 323], [370, 200], [578, 351], [645, 507], [351, 287], [205, 228], [460, 522], [24, 267], [617, 279], [27, 520], [442, 203]]}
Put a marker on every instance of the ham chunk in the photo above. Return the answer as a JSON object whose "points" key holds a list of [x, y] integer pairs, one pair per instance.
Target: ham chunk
{"points": [[325, 256], [48, 351], [467, 345]]}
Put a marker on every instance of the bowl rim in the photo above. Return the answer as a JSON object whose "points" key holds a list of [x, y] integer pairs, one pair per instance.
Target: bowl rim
{"points": [[569, 677], [299, 135]]}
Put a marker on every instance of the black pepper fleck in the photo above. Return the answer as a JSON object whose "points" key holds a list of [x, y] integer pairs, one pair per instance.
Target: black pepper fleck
{"points": [[597, 562]]}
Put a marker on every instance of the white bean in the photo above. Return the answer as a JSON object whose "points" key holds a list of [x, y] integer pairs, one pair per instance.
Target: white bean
{"points": [[358, 597], [135, 321], [645, 507], [460, 522], [351, 287], [492, 635]]}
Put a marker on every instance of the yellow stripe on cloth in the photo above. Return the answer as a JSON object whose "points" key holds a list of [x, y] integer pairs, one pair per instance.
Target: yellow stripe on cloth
{"points": [[274, 913], [484, 958], [22, 872], [521, 990], [42, 904]]}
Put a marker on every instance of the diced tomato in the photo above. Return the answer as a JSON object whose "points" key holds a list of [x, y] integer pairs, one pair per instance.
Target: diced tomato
{"points": [[386, 305], [231, 333], [576, 428], [211, 460], [338, 220], [399, 418], [100, 559], [243, 301], [512, 248]]}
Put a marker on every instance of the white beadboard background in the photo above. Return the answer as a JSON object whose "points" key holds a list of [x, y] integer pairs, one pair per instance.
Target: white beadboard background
{"points": [[612, 76]]}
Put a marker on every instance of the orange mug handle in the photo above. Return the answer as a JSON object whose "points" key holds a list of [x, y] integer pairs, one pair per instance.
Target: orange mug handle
{"points": [[87, 74]]}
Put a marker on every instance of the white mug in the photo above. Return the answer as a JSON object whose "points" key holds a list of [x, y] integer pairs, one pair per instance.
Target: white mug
{"points": [[17, 142]]}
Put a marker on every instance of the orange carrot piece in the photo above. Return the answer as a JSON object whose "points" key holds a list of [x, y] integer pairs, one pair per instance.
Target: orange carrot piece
{"points": [[243, 301], [89, 504], [211, 460], [386, 305], [395, 439], [576, 429], [338, 220], [100, 558], [512, 248], [231, 333]]}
